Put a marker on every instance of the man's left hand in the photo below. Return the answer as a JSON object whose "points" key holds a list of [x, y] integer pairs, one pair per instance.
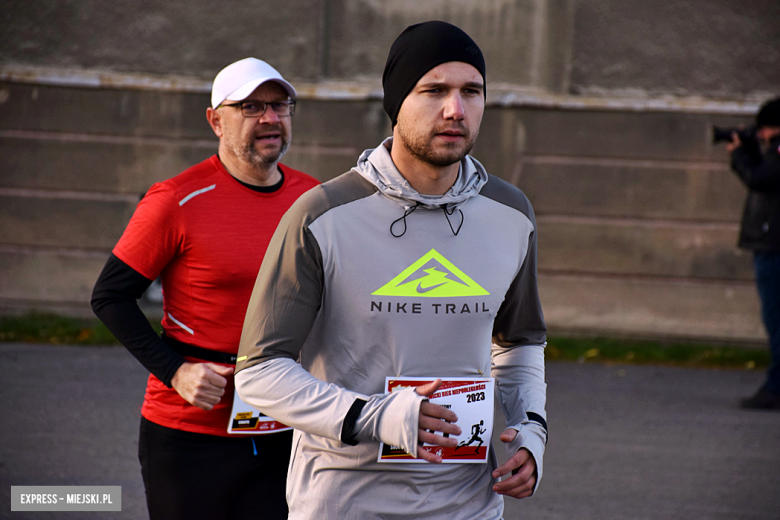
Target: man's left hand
{"points": [[735, 142], [523, 468]]}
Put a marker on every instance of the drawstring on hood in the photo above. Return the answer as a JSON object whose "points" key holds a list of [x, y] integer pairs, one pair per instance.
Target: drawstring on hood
{"points": [[377, 167], [407, 212], [448, 214]]}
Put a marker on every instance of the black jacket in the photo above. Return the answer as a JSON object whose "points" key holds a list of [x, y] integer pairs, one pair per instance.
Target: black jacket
{"points": [[761, 174]]}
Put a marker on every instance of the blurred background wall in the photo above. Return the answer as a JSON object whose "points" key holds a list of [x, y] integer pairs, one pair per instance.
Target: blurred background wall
{"points": [[599, 110]]}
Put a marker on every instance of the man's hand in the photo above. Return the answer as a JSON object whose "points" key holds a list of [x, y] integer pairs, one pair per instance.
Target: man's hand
{"points": [[735, 143], [201, 384], [523, 468], [435, 418]]}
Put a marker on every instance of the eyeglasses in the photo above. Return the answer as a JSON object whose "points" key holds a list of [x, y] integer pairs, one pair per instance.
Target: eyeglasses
{"points": [[257, 108]]}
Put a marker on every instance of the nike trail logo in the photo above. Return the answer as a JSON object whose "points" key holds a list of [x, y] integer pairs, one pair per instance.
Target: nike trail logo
{"points": [[431, 276]]}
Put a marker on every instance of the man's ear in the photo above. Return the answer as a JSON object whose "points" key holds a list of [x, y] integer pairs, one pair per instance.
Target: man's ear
{"points": [[215, 121]]}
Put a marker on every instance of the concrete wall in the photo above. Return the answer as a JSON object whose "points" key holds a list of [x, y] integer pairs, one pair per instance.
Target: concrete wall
{"points": [[716, 48], [723, 48], [599, 111]]}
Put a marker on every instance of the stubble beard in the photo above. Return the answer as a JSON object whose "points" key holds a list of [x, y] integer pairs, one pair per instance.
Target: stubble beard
{"points": [[246, 151], [420, 146]]}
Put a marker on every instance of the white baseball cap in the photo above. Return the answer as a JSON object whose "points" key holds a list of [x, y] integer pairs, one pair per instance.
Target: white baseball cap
{"points": [[236, 81]]}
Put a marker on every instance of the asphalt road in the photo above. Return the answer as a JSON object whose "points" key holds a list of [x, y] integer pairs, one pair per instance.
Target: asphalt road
{"points": [[626, 442]]}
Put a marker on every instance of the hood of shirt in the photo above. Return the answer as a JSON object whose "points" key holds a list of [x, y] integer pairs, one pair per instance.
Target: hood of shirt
{"points": [[377, 167]]}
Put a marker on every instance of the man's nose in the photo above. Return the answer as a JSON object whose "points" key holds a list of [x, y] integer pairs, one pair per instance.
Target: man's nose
{"points": [[269, 116], [453, 108]]}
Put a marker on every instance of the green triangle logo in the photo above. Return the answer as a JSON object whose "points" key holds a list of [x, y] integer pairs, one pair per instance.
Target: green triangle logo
{"points": [[432, 276]]}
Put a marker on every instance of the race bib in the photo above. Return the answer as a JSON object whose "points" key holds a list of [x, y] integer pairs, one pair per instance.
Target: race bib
{"points": [[245, 419], [472, 401]]}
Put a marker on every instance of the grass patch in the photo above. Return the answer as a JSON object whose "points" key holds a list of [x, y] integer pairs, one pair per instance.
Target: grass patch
{"points": [[59, 330], [53, 329], [587, 350]]}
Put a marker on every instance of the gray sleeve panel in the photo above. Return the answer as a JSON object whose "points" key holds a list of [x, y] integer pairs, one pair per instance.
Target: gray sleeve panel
{"points": [[520, 320], [289, 285], [509, 195]]}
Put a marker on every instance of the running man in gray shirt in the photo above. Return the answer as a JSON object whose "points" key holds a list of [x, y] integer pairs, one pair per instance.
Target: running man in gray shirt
{"points": [[416, 263]]}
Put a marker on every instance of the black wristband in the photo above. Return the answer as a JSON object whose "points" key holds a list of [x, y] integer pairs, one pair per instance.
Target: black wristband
{"points": [[347, 427]]}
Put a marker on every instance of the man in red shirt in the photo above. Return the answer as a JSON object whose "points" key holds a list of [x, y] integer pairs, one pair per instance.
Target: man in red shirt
{"points": [[204, 232]]}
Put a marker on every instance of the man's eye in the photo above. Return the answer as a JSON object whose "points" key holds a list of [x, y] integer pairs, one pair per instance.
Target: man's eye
{"points": [[277, 105], [251, 106]]}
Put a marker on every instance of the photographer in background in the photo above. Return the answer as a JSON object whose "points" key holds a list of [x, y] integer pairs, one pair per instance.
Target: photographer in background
{"points": [[755, 156]]}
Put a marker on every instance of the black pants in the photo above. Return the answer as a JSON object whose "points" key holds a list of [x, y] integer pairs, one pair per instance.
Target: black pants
{"points": [[195, 476]]}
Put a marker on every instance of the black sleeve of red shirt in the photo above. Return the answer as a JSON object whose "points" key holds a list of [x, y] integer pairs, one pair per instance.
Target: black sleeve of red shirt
{"points": [[114, 302]]}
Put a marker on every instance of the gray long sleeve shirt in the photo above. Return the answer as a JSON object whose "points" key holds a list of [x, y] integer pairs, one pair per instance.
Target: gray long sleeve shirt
{"points": [[357, 286]]}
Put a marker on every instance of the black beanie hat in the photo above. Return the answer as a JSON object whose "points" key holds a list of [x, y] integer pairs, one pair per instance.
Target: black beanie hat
{"points": [[417, 50], [769, 115]]}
